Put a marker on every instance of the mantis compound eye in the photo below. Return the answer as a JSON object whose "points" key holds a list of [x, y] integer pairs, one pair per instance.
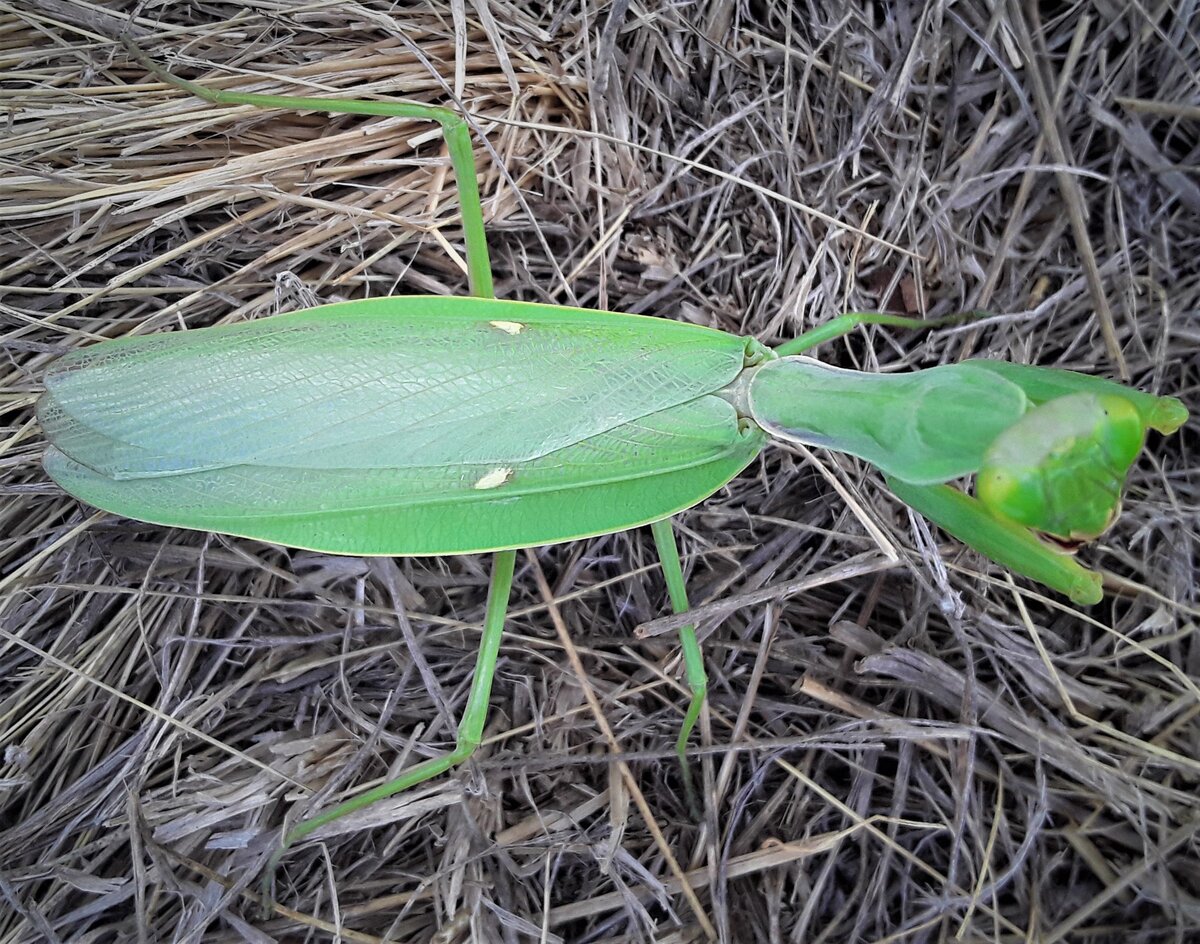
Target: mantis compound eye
{"points": [[1061, 467]]}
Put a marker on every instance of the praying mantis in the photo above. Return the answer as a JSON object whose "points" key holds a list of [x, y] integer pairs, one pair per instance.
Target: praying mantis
{"points": [[434, 425]]}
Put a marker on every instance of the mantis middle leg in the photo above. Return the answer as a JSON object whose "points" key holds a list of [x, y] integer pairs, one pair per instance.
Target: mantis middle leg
{"points": [[458, 143], [844, 324]]}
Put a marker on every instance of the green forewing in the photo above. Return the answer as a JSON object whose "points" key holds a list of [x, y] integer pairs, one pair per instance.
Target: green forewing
{"points": [[402, 425], [390, 382], [636, 473], [923, 427]]}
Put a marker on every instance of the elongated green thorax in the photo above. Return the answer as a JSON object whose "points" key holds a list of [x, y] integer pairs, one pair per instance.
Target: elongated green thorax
{"points": [[923, 427]]}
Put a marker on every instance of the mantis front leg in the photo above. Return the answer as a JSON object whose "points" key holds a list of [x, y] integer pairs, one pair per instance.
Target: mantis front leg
{"points": [[1004, 542], [844, 324]]}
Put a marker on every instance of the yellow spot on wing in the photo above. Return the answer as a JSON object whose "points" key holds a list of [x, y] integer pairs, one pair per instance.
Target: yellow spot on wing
{"points": [[508, 327], [494, 479]]}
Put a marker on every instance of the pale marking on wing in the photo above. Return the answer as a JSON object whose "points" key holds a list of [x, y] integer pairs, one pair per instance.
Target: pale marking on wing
{"points": [[508, 327], [494, 479]]}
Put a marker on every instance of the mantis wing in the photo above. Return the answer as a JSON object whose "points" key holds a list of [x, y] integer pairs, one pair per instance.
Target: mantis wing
{"points": [[402, 426], [631, 475], [389, 382]]}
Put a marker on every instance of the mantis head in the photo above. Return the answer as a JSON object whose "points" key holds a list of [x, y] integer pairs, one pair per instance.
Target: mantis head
{"points": [[1060, 469]]}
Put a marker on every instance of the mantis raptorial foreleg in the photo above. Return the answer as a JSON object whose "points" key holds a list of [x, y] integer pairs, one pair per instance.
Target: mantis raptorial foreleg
{"points": [[1006, 543]]}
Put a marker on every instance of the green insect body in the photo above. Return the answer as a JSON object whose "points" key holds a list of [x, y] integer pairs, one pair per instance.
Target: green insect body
{"points": [[432, 425]]}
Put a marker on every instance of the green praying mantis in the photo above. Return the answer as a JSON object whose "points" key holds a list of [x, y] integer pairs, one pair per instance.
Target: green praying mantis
{"points": [[442, 425]]}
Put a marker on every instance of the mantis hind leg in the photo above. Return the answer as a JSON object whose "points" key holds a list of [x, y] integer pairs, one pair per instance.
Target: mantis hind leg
{"points": [[693, 659], [455, 129], [470, 728]]}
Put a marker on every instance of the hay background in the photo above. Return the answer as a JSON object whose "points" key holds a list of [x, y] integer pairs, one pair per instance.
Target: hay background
{"points": [[926, 752]]}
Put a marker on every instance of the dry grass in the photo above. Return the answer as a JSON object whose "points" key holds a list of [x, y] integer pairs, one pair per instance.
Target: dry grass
{"points": [[912, 752]]}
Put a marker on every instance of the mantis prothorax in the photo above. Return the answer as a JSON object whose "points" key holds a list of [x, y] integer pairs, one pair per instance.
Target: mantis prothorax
{"points": [[438, 425]]}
